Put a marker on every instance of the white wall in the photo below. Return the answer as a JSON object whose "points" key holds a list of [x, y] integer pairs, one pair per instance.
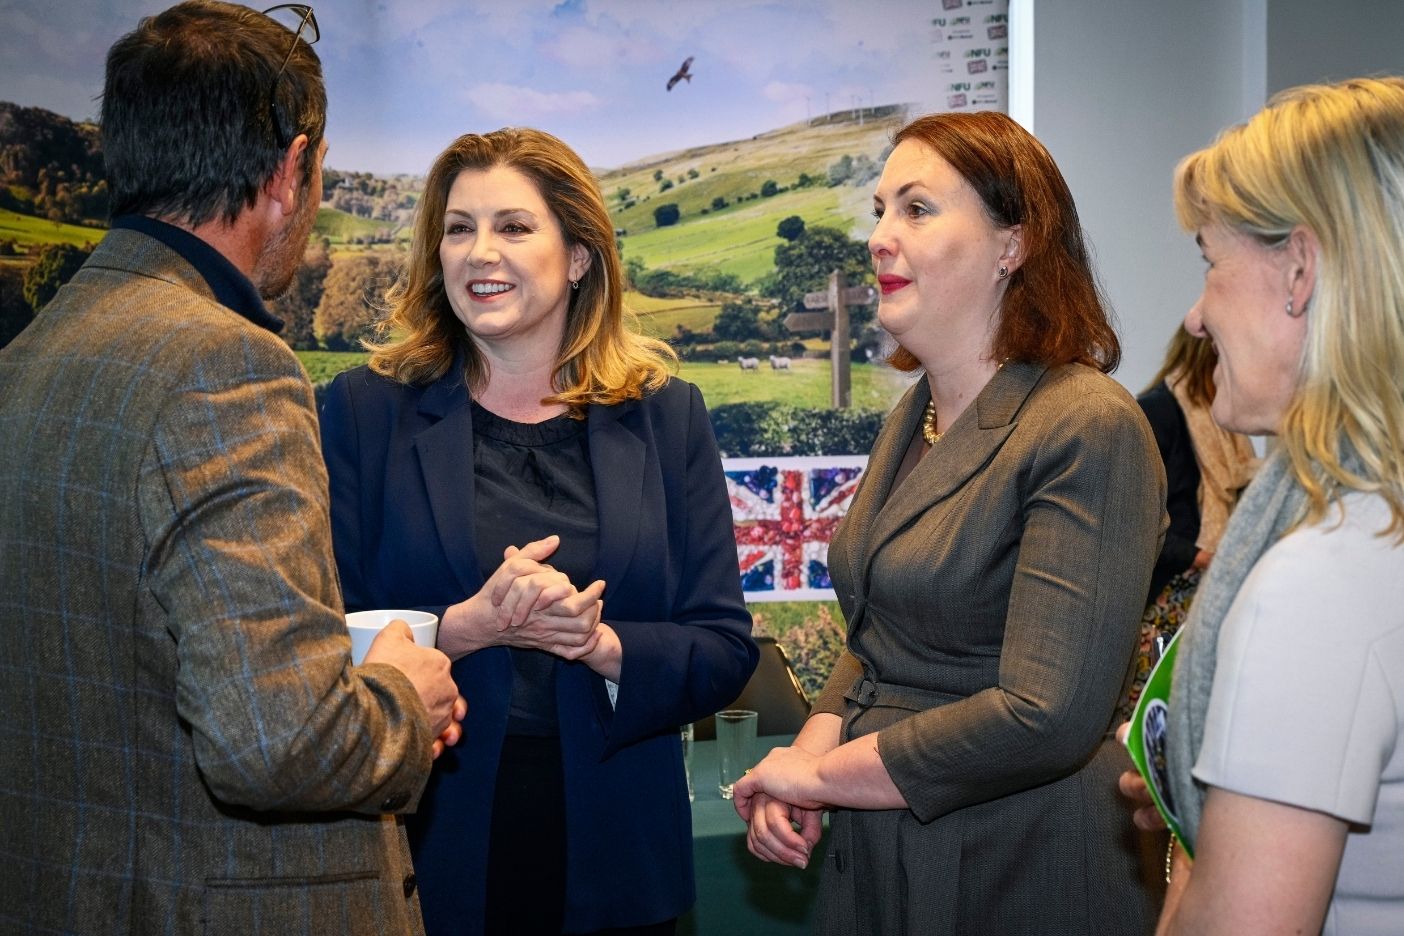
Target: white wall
{"points": [[1311, 41], [1122, 89]]}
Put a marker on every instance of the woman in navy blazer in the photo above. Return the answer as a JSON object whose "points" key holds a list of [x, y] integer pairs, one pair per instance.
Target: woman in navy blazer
{"points": [[511, 397]]}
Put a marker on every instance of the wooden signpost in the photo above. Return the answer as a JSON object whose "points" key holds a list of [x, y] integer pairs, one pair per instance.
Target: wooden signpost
{"points": [[835, 302]]}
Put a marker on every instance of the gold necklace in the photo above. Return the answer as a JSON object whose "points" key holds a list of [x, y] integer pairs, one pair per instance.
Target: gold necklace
{"points": [[928, 418], [928, 424]]}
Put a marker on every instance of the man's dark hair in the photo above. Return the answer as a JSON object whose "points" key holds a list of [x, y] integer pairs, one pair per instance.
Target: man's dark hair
{"points": [[188, 127]]}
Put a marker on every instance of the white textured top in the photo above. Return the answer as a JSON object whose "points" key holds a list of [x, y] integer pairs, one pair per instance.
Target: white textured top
{"points": [[1307, 707]]}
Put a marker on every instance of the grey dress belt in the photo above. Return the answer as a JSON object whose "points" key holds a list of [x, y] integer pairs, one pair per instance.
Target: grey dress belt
{"points": [[868, 692]]}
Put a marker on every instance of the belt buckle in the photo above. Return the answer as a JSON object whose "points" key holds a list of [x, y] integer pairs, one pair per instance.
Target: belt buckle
{"points": [[867, 692]]}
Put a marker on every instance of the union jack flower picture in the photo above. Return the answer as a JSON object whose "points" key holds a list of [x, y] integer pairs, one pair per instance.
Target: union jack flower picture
{"points": [[785, 511]]}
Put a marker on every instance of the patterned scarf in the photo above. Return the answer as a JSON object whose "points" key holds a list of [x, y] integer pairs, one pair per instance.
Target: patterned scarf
{"points": [[1269, 507]]}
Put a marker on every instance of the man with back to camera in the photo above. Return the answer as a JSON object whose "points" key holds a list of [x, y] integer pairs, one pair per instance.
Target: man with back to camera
{"points": [[184, 744]]}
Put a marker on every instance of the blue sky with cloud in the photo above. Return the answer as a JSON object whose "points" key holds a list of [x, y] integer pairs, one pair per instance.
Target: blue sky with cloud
{"points": [[406, 76]]}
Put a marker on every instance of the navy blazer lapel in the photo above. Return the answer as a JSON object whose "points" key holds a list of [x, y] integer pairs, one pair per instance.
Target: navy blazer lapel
{"points": [[963, 450], [445, 451], [617, 457]]}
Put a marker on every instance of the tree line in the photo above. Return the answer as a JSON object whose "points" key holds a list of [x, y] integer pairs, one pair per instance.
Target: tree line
{"points": [[50, 166], [330, 306], [333, 303]]}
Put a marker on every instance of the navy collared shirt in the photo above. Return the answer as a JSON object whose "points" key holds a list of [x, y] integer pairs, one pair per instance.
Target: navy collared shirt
{"points": [[231, 287]]}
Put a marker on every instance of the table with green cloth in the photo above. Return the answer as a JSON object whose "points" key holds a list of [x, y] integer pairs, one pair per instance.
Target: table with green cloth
{"points": [[737, 893]]}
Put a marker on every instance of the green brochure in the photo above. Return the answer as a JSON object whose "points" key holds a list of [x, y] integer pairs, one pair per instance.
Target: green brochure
{"points": [[1146, 742]]}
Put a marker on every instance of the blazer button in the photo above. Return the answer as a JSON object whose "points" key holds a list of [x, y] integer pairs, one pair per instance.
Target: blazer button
{"points": [[395, 802], [409, 886]]}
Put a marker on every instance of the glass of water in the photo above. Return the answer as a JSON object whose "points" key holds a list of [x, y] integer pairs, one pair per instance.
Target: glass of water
{"points": [[687, 758]]}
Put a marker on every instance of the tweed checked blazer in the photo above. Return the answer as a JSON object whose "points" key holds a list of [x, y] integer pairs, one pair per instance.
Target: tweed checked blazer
{"points": [[993, 601], [184, 745]]}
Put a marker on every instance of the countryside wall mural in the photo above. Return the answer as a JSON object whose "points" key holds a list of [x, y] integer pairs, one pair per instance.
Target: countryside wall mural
{"points": [[736, 142]]}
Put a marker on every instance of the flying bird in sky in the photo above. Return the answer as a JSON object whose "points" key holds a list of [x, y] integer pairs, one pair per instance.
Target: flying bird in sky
{"points": [[682, 73]]}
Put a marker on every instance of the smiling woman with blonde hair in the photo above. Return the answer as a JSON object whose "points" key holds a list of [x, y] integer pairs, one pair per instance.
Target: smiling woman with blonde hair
{"points": [[515, 441], [602, 358], [1286, 745]]}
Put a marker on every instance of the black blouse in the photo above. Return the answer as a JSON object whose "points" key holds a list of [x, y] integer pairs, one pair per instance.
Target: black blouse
{"points": [[532, 480], [1172, 437]]}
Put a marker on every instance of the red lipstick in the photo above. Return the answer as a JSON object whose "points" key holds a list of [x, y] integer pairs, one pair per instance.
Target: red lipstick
{"points": [[890, 283]]}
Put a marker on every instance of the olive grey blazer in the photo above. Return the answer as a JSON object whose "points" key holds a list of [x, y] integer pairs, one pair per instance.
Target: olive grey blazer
{"points": [[184, 745], [993, 601]]}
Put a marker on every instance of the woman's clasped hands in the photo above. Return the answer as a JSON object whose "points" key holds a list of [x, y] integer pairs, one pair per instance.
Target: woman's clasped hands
{"points": [[529, 605], [780, 831]]}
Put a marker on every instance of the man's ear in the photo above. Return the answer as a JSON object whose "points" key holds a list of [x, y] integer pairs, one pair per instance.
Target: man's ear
{"points": [[286, 181]]}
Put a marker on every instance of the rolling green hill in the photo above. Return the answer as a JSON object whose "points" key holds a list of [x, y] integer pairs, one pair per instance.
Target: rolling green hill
{"points": [[661, 317], [28, 231], [25, 230], [340, 227], [740, 238], [806, 384]]}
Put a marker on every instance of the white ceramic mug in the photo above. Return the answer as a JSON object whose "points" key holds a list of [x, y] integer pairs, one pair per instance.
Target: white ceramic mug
{"points": [[364, 625]]}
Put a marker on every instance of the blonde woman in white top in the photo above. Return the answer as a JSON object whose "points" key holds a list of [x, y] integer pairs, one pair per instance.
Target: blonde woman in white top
{"points": [[1286, 754]]}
